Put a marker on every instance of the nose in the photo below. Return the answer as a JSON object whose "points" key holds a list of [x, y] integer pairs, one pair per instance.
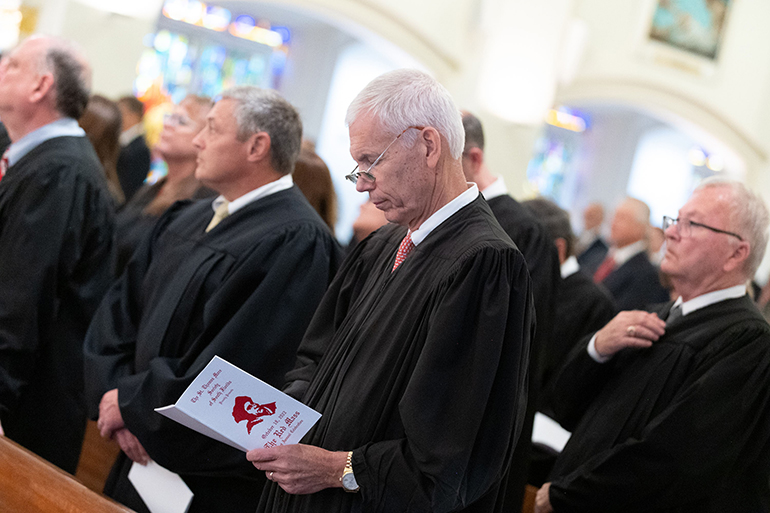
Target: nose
{"points": [[198, 140], [364, 185], [672, 232]]}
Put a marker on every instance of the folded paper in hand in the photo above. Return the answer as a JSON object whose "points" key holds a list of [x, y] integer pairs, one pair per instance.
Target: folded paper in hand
{"points": [[232, 406]]}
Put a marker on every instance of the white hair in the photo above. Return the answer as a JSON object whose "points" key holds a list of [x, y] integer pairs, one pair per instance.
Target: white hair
{"points": [[749, 218], [407, 97]]}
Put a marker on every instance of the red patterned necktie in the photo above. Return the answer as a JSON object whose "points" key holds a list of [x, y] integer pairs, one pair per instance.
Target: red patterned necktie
{"points": [[403, 250], [604, 269]]}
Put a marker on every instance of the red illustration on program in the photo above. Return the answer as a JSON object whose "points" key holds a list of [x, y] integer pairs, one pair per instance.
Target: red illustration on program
{"points": [[246, 409]]}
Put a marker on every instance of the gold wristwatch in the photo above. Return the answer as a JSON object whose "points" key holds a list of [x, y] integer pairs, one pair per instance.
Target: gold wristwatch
{"points": [[347, 479]]}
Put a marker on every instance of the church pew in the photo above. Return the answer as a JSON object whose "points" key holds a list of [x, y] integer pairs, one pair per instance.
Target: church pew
{"points": [[29, 484]]}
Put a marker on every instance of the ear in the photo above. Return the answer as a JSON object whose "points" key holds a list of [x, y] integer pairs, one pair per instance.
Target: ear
{"points": [[258, 147], [43, 85], [432, 141], [476, 158], [561, 248], [738, 257]]}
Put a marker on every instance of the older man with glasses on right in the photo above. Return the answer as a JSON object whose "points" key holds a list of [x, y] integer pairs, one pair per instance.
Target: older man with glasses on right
{"points": [[670, 408]]}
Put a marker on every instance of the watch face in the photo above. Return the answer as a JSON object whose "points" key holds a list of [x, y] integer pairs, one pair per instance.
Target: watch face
{"points": [[349, 481]]}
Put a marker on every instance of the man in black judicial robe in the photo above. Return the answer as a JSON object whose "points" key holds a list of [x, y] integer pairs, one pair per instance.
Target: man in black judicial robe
{"points": [[542, 260], [56, 228], [581, 306], [417, 355], [134, 157], [626, 271], [674, 415], [243, 288]]}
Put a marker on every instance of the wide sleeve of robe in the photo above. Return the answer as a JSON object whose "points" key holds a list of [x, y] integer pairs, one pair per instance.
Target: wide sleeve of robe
{"points": [[255, 319], [56, 252]]}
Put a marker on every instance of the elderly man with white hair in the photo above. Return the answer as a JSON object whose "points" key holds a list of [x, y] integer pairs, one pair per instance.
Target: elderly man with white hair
{"points": [[670, 408], [417, 355]]}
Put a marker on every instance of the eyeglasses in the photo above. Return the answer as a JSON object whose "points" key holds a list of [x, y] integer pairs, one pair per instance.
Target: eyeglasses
{"points": [[684, 227], [367, 175], [175, 119]]}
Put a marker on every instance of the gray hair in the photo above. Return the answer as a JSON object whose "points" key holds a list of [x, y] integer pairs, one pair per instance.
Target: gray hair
{"points": [[407, 97], [264, 110], [474, 132], [71, 76], [748, 217]]}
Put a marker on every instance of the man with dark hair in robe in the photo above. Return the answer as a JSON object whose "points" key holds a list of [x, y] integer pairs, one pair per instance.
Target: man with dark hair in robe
{"points": [[417, 355], [670, 408], [581, 306], [56, 231], [238, 278], [539, 252]]}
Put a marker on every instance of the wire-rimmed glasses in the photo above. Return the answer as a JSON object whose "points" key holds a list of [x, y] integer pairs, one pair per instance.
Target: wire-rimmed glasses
{"points": [[367, 175], [684, 227]]}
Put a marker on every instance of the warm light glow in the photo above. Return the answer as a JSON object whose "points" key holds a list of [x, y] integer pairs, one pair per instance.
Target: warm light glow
{"points": [[565, 120], [715, 163], [10, 21], [697, 157]]}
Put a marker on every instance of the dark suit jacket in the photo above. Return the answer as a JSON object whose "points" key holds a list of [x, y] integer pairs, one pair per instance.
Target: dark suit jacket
{"points": [[133, 166], [636, 284], [592, 257]]}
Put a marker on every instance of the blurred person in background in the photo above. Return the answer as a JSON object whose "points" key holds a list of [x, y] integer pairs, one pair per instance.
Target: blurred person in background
{"points": [[175, 146], [101, 122], [312, 177], [626, 271], [134, 159], [5, 141], [591, 248]]}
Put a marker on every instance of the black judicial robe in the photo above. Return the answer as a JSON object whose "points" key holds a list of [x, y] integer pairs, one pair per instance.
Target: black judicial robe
{"points": [[133, 224], [244, 291], [582, 307], [421, 372], [56, 231], [681, 427], [542, 260], [636, 284], [133, 165]]}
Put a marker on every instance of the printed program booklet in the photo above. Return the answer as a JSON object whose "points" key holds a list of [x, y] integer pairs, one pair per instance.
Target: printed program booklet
{"points": [[232, 406]]}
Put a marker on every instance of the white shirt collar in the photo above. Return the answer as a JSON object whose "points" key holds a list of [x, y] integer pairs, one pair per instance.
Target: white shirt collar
{"points": [[495, 189], [130, 134], [283, 183], [444, 213], [569, 267], [62, 127], [710, 298], [624, 254]]}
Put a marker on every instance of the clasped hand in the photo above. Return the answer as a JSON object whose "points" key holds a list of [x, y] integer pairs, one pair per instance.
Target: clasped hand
{"points": [[111, 426], [633, 328]]}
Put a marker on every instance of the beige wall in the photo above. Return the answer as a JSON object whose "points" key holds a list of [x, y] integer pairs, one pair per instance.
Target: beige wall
{"points": [[728, 100]]}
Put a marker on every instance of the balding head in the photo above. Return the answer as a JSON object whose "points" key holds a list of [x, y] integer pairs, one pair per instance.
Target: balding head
{"points": [[630, 222], [593, 216], [41, 80]]}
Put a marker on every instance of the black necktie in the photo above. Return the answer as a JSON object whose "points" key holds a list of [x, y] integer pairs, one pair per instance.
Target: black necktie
{"points": [[674, 313]]}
